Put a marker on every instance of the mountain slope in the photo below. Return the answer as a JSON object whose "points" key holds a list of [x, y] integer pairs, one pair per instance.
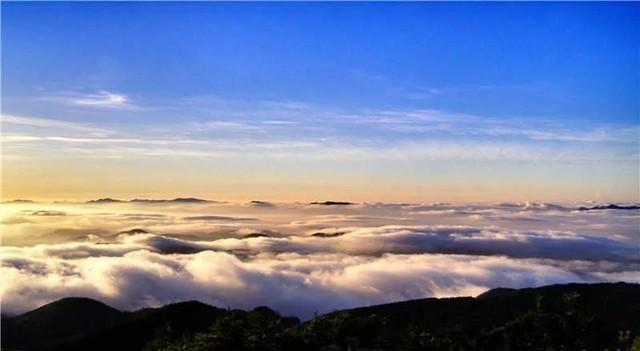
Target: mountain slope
{"points": [[616, 306], [572, 317], [58, 321]]}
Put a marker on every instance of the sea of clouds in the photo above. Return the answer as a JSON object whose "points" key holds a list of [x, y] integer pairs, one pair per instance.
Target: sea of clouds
{"points": [[301, 258]]}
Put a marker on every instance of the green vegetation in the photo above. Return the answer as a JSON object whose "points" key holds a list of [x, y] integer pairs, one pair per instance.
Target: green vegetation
{"points": [[554, 318], [542, 329]]}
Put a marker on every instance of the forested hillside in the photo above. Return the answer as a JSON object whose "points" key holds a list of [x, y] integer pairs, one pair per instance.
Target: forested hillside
{"points": [[559, 317]]}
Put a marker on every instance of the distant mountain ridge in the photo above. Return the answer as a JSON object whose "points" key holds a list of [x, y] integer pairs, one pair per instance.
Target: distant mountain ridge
{"points": [[609, 207], [108, 200], [600, 313], [329, 203], [19, 201], [332, 203]]}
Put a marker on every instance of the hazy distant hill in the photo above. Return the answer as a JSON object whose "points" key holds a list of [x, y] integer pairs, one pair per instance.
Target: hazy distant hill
{"points": [[559, 317], [332, 203], [609, 207], [108, 200], [177, 200], [19, 201]]}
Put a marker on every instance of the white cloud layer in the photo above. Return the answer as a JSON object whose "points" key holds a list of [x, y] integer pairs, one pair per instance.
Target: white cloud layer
{"points": [[359, 255]]}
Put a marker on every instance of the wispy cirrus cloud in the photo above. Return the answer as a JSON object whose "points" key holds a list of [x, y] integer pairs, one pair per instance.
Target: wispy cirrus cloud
{"points": [[280, 130], [48, 123], [17, 138], [296, 118], [287, 119], [317, 149], [628, 134], [102, 99], [461, 124], [223, 126]]}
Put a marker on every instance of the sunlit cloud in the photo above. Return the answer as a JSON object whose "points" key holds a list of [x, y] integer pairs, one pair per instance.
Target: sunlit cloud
{"points": [[300, 258]]}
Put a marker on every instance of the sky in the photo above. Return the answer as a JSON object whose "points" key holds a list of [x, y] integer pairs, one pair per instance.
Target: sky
{"points": [[406, 102]]}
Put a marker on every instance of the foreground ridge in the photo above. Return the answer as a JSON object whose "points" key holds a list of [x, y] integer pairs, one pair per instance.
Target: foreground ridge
{"points": [[569, 317]]}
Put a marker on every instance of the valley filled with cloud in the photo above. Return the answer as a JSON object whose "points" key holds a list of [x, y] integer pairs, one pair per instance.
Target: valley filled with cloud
{"points": [[301, 258]]}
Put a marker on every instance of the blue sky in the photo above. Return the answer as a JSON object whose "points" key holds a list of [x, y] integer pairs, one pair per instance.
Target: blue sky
{"points": [[467, 101]]}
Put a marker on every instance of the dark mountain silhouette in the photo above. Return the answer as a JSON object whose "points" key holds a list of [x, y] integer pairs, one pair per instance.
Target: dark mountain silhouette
{"points": [[58, 321], [332, 203], [106, 200], [259, 203], [134, 231], [177, 200], [328, 235], [609, 207], [48, 213], [188, 199], [255, 235], [19, 201], [85, 324], [569, 317], [616, 304], [217, 218]]}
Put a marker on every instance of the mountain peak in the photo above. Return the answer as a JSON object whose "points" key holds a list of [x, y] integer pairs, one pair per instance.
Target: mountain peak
{"points": [[332, 203], [105, 200]]}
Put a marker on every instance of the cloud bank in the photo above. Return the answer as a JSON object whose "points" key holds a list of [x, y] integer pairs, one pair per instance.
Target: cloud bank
{"points": [[369, 253]]}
